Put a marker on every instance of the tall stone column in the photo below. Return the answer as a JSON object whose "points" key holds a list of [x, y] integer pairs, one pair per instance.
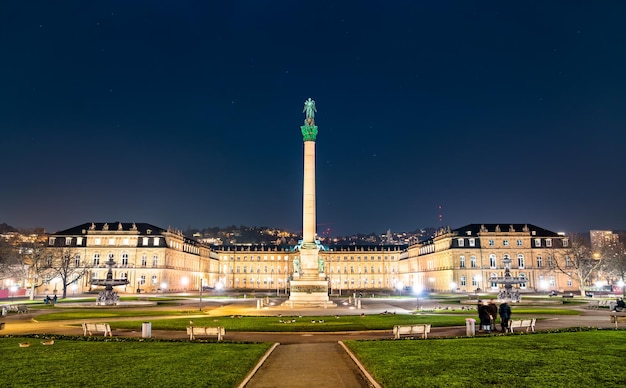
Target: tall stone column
{"points": [[309, 286]]}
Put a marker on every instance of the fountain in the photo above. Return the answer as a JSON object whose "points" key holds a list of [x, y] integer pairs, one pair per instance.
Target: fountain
{"points": [[508, 293], [108, 297]]}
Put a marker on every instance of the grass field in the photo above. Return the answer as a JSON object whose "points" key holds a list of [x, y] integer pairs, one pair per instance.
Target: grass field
{"points": [[125, 363], [570, 359]]}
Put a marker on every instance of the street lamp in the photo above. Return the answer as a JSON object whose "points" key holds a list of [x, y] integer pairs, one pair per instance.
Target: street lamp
{"points": [[163, 286], [13, 291], [201, 287], [184, 281], [399, 286]]}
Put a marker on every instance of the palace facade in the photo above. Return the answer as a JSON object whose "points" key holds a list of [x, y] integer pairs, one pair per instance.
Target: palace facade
{"points": [[150, 258], [470, 258], [462, 260]]}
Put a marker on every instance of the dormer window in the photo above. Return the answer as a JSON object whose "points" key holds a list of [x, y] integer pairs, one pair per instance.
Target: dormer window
{"points": [[461, 242]]}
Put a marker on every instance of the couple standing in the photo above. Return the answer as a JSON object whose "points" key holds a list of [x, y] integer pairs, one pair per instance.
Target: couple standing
{"points": [[488, 313]]}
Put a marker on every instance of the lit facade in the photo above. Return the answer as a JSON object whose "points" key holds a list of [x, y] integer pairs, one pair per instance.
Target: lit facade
{"points": [[152, 259], [460, 260], [464, 259]]}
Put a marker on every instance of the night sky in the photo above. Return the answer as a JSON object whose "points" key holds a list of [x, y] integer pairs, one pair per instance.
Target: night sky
{"points": [[188, 113]]}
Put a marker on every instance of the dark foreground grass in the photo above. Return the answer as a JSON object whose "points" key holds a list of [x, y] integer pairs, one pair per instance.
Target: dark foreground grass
{"points": [[80, 363], [571, 359]]}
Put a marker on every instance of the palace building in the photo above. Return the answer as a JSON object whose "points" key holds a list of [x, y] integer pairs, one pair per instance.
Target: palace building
{"points": [[462, 260], [152, 259], [467, 259]]}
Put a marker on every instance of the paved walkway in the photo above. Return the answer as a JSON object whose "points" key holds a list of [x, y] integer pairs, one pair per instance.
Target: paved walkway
{"points": [[301, 359]]}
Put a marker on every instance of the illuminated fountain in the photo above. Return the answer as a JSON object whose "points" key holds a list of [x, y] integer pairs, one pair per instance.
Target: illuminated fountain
{"points": [[108, 297], [508, 280]]}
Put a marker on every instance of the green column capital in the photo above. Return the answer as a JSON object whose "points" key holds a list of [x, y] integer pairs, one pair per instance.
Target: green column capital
{"points": [[309, 132]]}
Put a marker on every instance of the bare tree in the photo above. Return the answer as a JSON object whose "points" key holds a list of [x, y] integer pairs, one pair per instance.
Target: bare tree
{"points": [[67, 265], [576, 261], [34, 256], [10, 265]]}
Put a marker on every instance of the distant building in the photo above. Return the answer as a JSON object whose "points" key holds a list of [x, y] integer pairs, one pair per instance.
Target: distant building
{"points": [[601, 239]]}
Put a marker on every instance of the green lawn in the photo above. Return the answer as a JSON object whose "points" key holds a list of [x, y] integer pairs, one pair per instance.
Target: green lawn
{"points": [[301, 324], [125, 363], [570, 359], [438, 318]]}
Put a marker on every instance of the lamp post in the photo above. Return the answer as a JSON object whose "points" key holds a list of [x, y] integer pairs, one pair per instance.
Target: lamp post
{"points": [[13, 290], [218, 287], [399, 286], [201, 287]]}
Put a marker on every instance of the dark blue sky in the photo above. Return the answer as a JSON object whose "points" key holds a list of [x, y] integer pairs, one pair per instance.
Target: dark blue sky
{"points": [[187, 113]]}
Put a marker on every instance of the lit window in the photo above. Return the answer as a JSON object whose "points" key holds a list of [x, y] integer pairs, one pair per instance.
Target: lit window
{"points": [[492, 261], [155, 261], [111, 241], [472, 242], [473, 261], [519, 243], [462, 262], [463, 281], [97, 241], [520, 261], [460, 242], [548, 242], [96, 259], [539, 261], [505, 243], [492, 243]]}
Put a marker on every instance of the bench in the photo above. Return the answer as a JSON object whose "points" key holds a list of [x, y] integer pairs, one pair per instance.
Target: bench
{"points": [[22, 309], [90, 328], [194, 331], [599, 304], [522, 323], [617, 319], [411, 330]]}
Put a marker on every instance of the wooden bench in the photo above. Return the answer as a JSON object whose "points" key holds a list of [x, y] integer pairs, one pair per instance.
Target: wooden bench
{"points": [[617, 319], [522, 323], [90, 328], [195, 331], [22, 309], [411, 330]]}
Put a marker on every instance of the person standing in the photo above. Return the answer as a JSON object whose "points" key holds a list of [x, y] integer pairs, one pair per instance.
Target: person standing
{"points": [[493, 312], [485, 317], [505, 316]]}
